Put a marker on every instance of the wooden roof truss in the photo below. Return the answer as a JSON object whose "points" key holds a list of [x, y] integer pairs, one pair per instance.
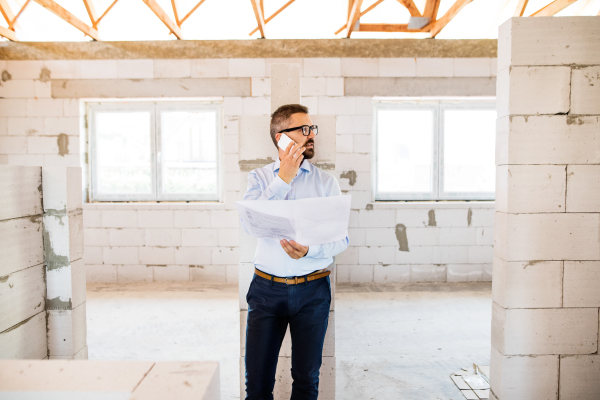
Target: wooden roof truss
{"points": [[427, 22]]}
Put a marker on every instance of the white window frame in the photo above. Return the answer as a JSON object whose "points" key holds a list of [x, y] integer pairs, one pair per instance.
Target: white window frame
{"points": [[437, 173], [155, 108]]}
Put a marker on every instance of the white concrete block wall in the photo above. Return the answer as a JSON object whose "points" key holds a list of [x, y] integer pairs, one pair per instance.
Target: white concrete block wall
{"points": [[547, 253], [198, 241]]}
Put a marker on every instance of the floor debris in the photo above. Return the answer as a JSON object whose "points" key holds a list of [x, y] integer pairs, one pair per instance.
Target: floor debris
{"points": [[473, 382]]}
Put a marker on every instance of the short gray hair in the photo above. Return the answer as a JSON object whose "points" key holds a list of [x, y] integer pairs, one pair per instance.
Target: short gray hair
{"points": [[281, 116]]}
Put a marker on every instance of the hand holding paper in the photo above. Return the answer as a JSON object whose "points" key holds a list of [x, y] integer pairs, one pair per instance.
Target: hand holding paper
{"points": [[311, 221]]}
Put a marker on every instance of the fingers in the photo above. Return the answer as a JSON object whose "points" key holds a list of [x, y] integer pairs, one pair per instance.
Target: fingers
{"points": [[288, 149], [290, 250], [298, 246]]}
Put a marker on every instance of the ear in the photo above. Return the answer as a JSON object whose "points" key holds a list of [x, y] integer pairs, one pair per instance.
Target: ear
{"points": [[277, 136]]}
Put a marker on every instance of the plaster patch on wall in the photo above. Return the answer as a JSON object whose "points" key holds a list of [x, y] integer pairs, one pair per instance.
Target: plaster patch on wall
{"points": [[53, 260], [4, 279], [533, 262], [58, 304], [469, 216], [350, 175], [431, 218], [573, 120], [6, 76], [401, 237], [45, 74], [63, 144]]}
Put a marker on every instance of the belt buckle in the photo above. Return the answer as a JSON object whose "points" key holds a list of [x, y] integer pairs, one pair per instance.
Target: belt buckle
{"points": [[295, 279]]}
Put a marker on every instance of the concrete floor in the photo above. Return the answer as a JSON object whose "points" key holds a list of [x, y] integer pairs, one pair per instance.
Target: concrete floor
{"points": [[393, 341]]}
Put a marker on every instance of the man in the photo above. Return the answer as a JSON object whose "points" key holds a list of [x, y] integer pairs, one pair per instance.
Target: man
{"points": [[303, 299]]}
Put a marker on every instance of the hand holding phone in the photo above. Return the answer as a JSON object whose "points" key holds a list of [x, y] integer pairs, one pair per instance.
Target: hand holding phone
{"points": [[284, 140], [291, 159]]}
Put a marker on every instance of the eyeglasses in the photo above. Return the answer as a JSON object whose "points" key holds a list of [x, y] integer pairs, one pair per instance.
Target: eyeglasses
{"points": [[306, 129]]}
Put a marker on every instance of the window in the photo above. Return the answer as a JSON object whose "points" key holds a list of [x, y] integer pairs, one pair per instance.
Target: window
{"points": [[442, 150], [154, 151]]}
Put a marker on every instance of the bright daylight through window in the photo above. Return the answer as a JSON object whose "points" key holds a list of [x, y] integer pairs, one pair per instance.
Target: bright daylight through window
{"points": [[435, 150], [154, 151]]}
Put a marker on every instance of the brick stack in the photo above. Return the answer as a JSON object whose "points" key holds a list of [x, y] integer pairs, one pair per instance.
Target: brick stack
{"points": [[547, 224]]}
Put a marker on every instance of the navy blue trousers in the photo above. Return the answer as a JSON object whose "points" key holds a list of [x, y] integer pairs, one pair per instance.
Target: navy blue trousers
{"points": [[271, 307]]}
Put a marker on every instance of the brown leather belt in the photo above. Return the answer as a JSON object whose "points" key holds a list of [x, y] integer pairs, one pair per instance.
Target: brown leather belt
{"points": [[295, 280]]}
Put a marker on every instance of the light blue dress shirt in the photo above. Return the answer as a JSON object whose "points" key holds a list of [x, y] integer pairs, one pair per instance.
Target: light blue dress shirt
{"points": [[310, 181]]}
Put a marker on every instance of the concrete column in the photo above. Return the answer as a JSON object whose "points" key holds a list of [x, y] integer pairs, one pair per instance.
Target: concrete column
{"points": [[256, 150], [63, 259], [546, 270]]}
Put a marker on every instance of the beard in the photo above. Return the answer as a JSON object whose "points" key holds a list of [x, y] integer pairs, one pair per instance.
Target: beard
{"points": [[309, 152]]}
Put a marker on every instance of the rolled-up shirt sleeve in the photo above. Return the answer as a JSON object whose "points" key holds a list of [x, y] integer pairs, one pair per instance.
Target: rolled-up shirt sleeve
{"points": [[277, 189]]}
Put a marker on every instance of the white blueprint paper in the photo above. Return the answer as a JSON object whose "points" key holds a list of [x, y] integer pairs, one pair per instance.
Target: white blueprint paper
{"points": [[307, 221]]}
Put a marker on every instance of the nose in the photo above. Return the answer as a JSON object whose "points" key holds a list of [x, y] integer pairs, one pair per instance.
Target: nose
{"points": [[311, 135]]}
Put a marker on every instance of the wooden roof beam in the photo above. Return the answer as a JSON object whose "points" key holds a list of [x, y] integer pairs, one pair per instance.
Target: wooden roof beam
{"points": [[553, 8], [162, 15], [7, 33], [353, 17], [104, 14], [520, 10], [190, 12], [372, 6], [6, 11], [91, 10], [273, 16], [437, 26], [260, 18], [386, 28], [412, 9], [431, 9], [68, 17]]}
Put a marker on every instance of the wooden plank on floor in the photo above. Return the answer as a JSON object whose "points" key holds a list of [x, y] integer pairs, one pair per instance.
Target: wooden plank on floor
{"points": [[180, 380], [26, 340], [22, 295]]}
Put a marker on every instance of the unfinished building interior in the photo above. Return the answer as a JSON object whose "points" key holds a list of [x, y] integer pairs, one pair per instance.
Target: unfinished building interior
{"points": [[466, 133]]}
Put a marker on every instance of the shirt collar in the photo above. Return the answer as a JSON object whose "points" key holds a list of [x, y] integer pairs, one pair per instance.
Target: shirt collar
{"points": [[305, 165]]}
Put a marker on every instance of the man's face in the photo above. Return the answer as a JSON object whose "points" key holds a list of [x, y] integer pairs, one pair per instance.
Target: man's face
{"points": [[300, 119]]}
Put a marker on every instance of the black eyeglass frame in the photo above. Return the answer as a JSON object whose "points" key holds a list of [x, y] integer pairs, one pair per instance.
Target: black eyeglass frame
{"points": [[310, 128]]}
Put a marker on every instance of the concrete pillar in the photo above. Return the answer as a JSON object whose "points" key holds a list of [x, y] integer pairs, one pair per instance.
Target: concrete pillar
{"points": [[256, 150], [546, 270], [63, 259]]}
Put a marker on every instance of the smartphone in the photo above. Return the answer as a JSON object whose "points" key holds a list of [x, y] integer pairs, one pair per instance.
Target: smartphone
{"points": [[284, 141]]}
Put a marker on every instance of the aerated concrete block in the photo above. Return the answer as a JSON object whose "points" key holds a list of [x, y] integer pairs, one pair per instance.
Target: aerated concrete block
{"points": [[548, 41], [580, 377], [548, 139], [523, 377], [530, 188], [549, 236], [544, 331], [534, 284], [22, 244], [585, 90], [583, 186], [285, 85], [581, 280], [525, 90], [27, 340], [23, 294], [66, 332]]}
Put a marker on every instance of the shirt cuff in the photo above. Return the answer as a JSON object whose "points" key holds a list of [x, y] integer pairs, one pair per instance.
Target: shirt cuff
{"points": [[312, 251], [279, 188]]}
